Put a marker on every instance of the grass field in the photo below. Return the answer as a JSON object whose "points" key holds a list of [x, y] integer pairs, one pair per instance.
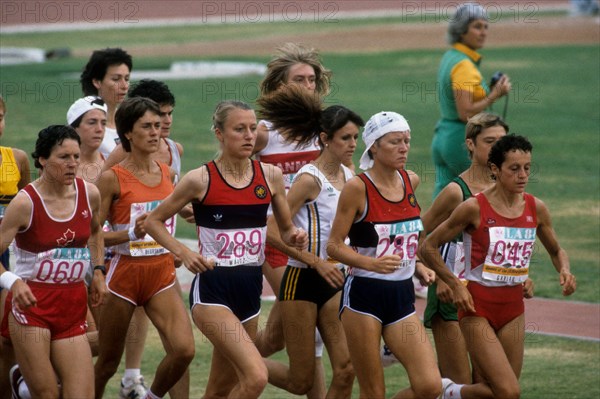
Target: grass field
{"points": [[554, 102]]}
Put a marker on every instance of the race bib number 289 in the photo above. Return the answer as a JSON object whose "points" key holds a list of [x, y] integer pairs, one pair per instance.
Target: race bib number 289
{"points": [[236, 247]]}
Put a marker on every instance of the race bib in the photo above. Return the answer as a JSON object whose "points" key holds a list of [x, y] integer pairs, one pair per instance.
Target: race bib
{"points": [[61, 265], [509, 254], [235, 247], [401, 239], [146, 246]]}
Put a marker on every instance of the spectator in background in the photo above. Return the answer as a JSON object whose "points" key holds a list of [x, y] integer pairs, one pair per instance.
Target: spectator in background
{"points": [[462, 92]]}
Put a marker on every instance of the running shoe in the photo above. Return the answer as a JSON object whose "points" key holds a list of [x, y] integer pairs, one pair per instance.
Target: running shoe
{"points": [[133, 388], [16, 379], [446, 384]]}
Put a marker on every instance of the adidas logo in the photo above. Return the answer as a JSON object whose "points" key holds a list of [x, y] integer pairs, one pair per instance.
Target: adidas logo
{"points": [[218, 217]]}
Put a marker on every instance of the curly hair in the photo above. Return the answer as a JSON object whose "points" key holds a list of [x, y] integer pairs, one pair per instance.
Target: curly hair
{"points": [[154, 90], [97, 66], [50, 137], [510, 142]]}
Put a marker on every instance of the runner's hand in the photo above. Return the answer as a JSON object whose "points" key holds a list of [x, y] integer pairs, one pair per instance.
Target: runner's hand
{"points": [[568, 282], [463, 299], [444, 292], [297, 239], [330, 273], [98, 290], [22, 295], [196, 263], [386, 264], [528, 289]]}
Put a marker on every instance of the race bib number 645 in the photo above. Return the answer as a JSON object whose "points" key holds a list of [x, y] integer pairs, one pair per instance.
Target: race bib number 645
{"points": [[509, 254]]}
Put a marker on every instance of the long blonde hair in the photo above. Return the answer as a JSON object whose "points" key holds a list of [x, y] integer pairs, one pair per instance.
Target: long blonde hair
{"points": [[289, 55]]}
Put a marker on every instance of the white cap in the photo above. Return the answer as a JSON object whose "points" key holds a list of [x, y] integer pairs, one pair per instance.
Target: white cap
{"points": [[378, 126], [83, 105]]}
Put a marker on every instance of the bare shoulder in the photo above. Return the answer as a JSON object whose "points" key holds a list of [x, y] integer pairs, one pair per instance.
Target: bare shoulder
{"points": [[19, 209], [307, 180], [354, 186], [414, 178], [108, 175], [450, 195], [21, 201], [272, 172], [20, 155], [196, 176], [108, 183], [447, 200], [468, 208], [117, 155], [91, 189], [179, 148], [542, 211], [93, 193]]}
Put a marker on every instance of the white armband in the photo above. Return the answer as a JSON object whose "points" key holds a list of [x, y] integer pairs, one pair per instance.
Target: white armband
{"points": [[7, 279]]}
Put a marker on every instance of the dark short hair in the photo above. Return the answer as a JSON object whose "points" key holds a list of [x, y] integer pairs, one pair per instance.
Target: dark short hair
{"points": [[510, 142], [129, 112], [50, 137], [336, 117], [154, 90], [97, 66]]}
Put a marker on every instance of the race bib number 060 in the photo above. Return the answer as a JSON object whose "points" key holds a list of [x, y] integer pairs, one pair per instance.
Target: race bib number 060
{"points": [[61, 265]]}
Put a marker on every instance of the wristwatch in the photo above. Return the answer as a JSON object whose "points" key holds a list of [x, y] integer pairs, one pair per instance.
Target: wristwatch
{"points": [[102, 268]]}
